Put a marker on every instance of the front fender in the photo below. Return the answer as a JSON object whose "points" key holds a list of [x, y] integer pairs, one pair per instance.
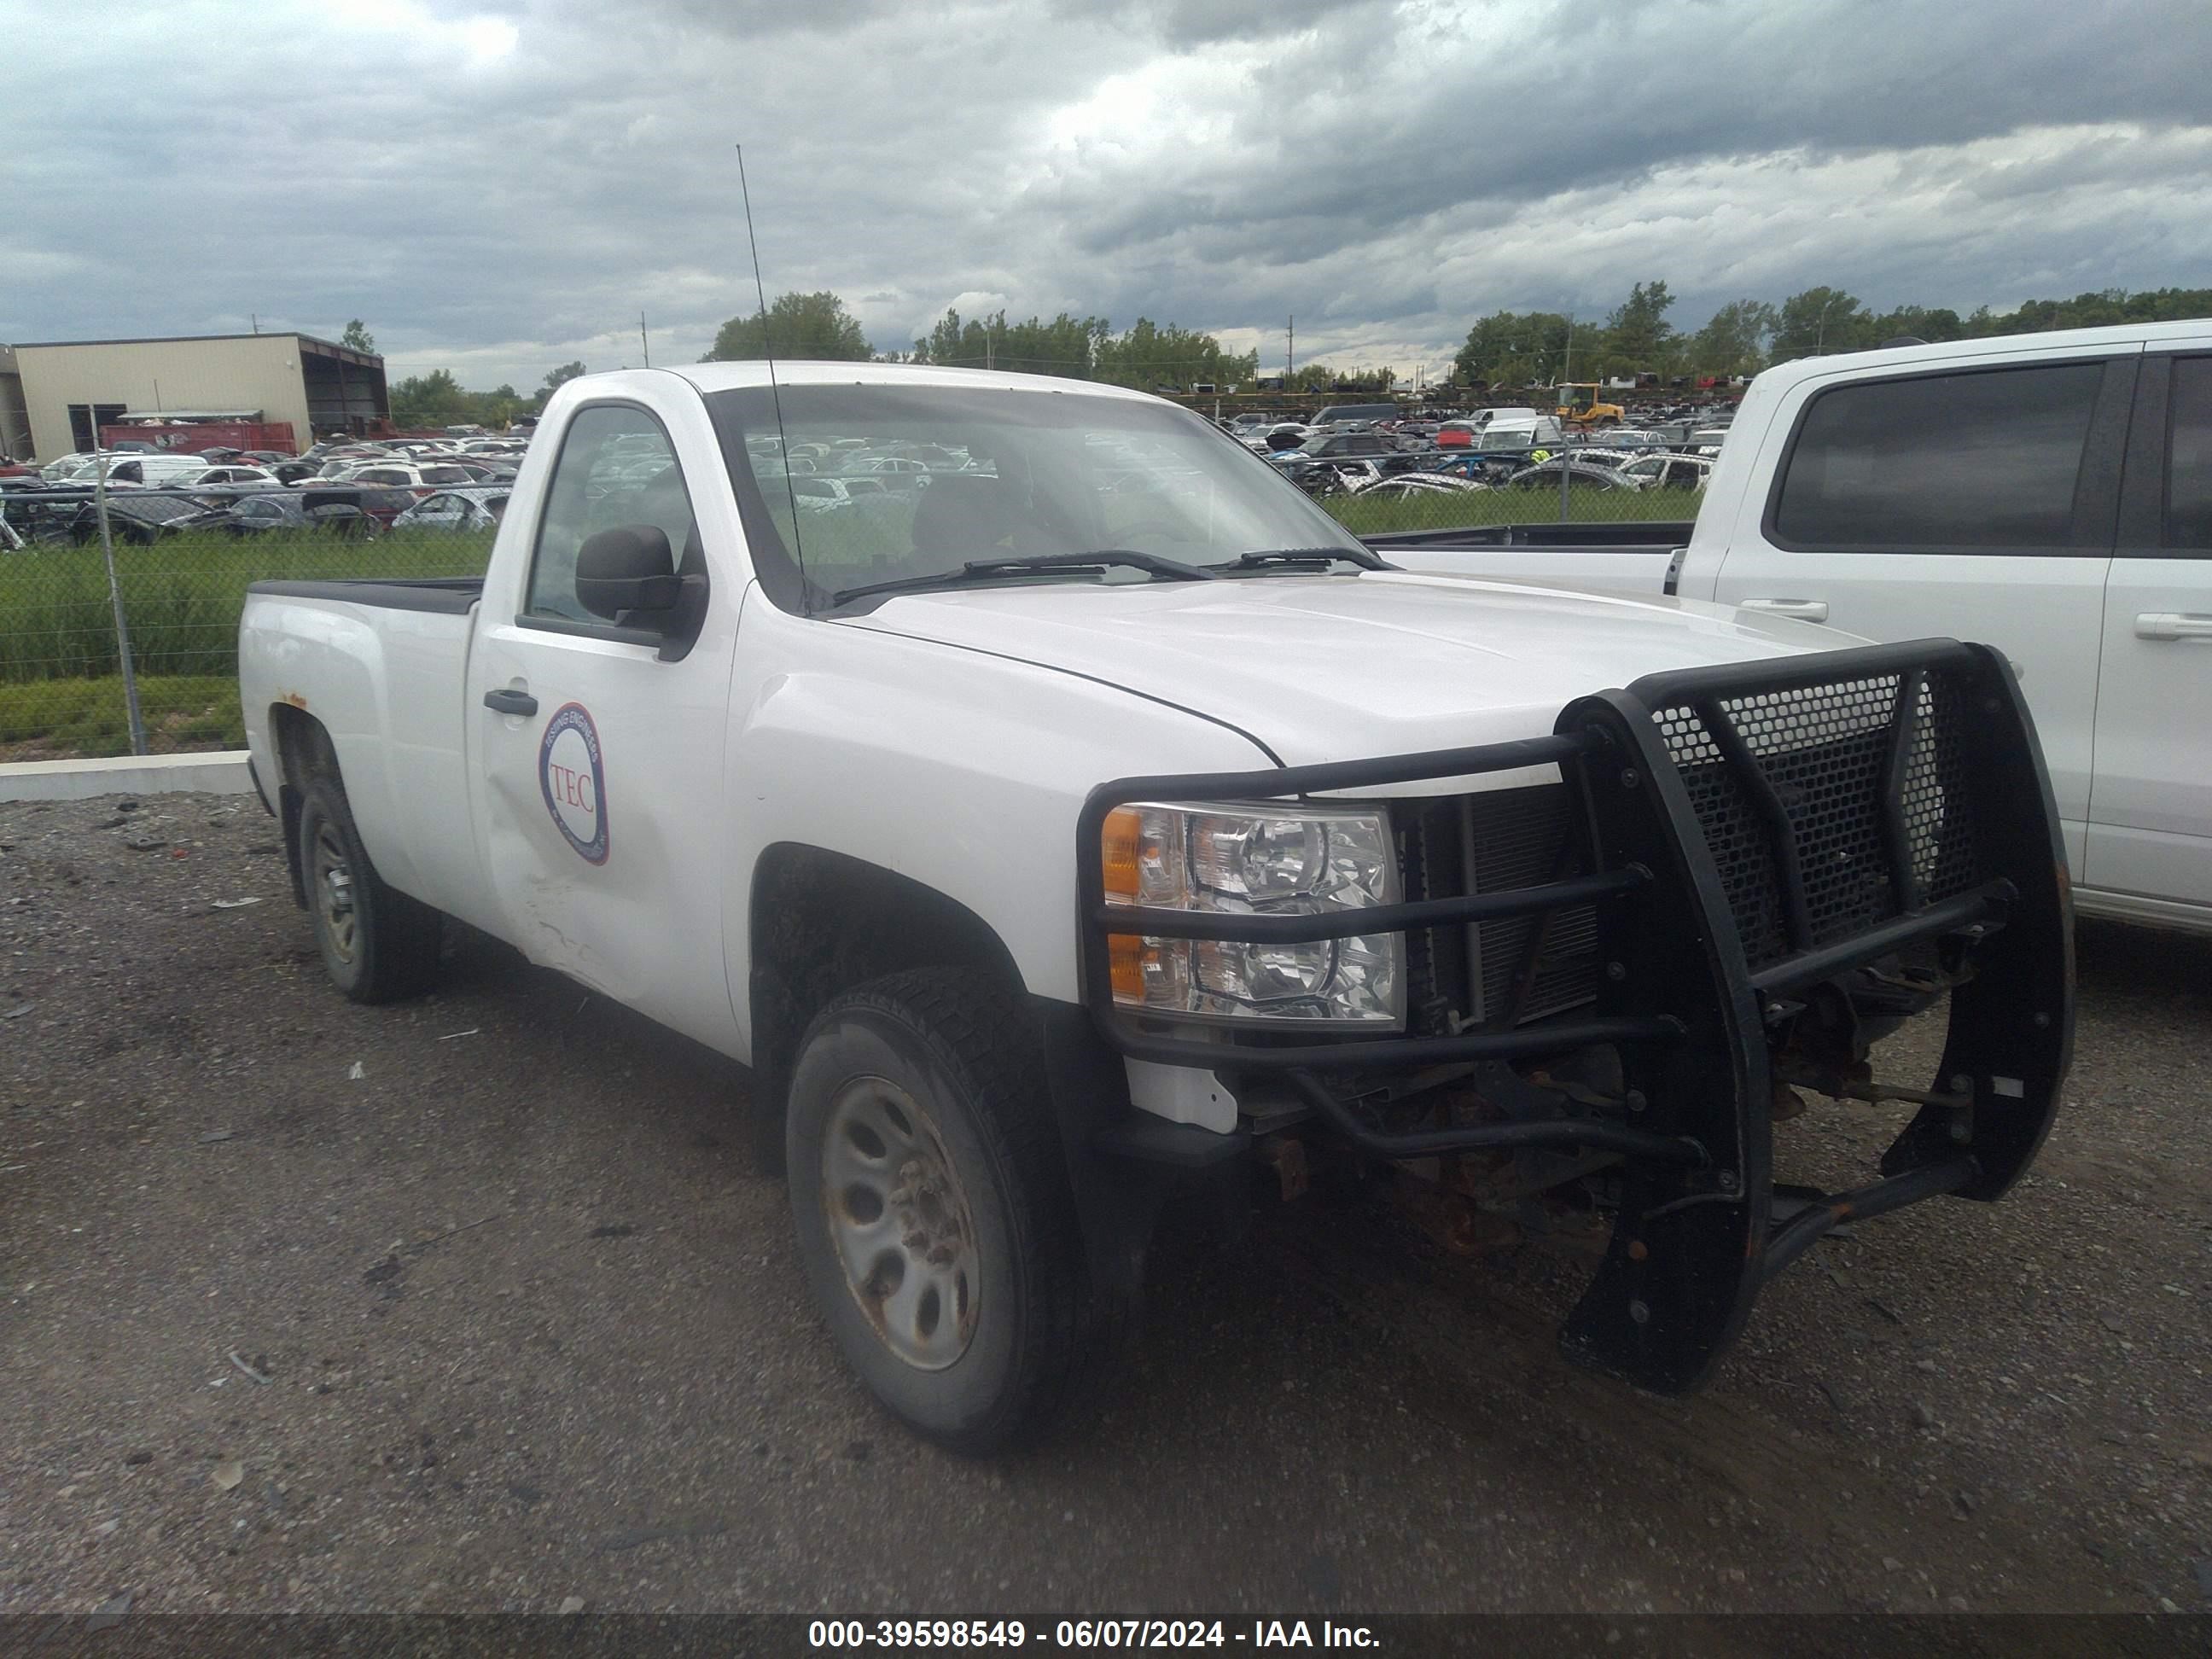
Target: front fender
{"points": [[959, 770]]}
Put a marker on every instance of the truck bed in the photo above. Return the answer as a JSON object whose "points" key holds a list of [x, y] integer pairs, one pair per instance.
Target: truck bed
{"points": [[1638, 560], [453, 596], [1648, 533]]}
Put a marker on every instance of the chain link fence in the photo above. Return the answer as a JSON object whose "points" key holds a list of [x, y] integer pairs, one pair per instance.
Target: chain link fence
{"points": [[181, 560]]}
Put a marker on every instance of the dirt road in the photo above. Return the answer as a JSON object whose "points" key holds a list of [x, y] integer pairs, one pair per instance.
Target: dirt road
{"points": [[479, 1304]]}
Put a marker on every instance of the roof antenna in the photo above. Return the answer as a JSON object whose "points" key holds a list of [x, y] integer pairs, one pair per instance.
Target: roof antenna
{"points": [[768, 350]]}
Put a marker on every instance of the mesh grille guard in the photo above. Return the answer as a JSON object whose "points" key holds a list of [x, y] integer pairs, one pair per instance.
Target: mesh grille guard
{"points": [[1757, 829]]}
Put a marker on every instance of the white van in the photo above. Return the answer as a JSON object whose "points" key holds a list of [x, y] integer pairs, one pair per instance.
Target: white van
{"points": [[1518, 429], [153, 469]]}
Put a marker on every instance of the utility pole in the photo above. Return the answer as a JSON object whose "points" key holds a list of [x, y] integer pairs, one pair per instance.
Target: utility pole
{"points": [[1291, 355], [1820, 339], [641, 344]]}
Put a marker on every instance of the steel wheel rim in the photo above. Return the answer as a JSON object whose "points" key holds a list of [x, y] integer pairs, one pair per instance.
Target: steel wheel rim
{"points": [[900, 1223], [333, 885]]}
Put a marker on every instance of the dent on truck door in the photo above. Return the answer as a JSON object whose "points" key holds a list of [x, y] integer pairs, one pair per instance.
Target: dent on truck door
{"points": [[2150, 828], [601, 770], [1976, 504]]}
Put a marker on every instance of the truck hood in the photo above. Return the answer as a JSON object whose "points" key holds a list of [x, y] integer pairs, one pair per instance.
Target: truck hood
{"points": [[1327, 668]]}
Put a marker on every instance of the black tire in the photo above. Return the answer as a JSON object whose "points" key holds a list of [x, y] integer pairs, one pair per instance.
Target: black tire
{"points": [[964, 1050], [378, 944]]}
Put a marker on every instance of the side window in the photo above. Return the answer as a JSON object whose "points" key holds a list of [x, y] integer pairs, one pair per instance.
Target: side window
{"points": [[616, 467], [2189, 455], [1984, 459]]}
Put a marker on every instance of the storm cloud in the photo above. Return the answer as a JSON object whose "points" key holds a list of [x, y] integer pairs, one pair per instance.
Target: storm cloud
{"points": [[500, 185]]}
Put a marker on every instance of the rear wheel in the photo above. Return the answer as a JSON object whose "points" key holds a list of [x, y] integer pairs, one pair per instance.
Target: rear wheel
{"points": [[932, 1206], [378, 944]]}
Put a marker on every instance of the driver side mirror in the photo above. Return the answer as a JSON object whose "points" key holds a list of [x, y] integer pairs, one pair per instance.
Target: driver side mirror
{"points": [[628, 568]]}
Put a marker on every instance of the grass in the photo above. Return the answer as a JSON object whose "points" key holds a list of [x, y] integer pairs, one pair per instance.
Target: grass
{"points": [[57, 720], [61, 686], [181, 596]]}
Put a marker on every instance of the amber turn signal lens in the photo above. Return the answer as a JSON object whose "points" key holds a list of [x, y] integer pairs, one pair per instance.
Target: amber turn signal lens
{"points": [[1126, 955], [1120, 840]]}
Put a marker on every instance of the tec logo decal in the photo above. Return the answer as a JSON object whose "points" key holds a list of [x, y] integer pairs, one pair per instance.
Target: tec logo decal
{"points": [[572, 775]]}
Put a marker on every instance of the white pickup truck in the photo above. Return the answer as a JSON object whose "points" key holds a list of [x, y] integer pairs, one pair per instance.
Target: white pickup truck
{"points": [[2050, 494], [1088, 811]]}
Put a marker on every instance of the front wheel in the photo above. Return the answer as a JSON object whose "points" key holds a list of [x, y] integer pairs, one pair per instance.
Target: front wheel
{"points": [[932, 1205]]}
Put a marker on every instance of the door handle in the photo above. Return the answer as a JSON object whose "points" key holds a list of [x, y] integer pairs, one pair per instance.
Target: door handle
{"points": [[2174, 625], [507, 702], [1804, 610]]}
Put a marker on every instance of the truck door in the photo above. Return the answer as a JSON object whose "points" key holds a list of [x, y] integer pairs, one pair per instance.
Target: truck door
{"points": [[600, 765], [1970, 501], [2150, 811]]}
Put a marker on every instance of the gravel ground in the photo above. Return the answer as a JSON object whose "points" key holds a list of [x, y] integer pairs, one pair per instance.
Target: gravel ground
{"points": [[479, 1304]]}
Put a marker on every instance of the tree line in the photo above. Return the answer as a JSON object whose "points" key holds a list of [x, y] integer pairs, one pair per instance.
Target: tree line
{"points": [[438, 399], [1145, 354], [1539, 348], [1505, 349]]}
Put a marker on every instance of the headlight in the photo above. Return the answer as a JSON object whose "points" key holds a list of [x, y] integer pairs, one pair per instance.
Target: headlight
{"points": [[1245, 862]]}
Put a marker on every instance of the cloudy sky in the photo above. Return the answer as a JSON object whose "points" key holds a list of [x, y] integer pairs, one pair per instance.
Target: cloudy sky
{"points": [[501, 186]]}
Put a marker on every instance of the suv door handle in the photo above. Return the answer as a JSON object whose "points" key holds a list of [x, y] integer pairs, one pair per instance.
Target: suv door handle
{"points": [[2174, 625], [1804, 610], [511, 702]]}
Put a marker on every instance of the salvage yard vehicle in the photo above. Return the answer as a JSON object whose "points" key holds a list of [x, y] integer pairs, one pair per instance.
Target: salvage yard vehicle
{"points": [[1038, 844], [2050, 494], [469, 508], [1580, 405]]}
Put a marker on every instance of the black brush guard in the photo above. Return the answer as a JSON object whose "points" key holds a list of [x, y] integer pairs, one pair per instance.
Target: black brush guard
{"points": [[1758, 830]]}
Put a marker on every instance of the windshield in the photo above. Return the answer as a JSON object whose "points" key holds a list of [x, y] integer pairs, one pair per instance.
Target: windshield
{"points": [[955, 474]]}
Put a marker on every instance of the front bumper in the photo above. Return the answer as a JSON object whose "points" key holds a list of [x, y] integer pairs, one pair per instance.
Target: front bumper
{"points": [[1752, 832]]}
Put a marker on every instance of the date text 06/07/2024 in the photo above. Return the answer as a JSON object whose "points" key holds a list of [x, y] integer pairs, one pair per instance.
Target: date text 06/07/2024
{"points": [[1085, 1633]]}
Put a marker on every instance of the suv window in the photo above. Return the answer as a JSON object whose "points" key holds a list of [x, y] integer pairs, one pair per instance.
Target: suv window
{"points": [[2189, 463], [1986, 458], [616, 467]]}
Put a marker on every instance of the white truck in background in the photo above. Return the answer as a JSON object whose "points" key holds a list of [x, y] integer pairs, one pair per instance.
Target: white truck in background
{"points": [[1090, 811], [2050, 494]]}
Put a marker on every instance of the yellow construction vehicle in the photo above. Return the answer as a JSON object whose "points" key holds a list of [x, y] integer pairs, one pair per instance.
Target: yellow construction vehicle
{"points": [[1579, 405]]}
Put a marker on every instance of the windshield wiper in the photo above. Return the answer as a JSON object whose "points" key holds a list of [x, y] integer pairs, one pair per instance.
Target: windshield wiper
{"points": [[1018, 564], [1269, 558]]}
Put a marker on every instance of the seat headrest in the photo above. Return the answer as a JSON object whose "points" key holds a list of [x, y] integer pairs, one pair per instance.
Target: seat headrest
{"points": [[963, 514]]}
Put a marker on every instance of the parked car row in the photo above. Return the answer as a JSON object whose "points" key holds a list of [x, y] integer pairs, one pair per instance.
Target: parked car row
{"points": [[69, 513], [414, 463], [1445, 471]]}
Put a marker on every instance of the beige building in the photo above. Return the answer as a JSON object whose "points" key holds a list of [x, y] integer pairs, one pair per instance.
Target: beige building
{"points": [[15, 422], [69, 388]]}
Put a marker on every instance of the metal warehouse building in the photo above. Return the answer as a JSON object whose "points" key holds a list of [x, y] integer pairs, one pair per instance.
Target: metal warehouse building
{"points": [[14, 421], [71, 388]]}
